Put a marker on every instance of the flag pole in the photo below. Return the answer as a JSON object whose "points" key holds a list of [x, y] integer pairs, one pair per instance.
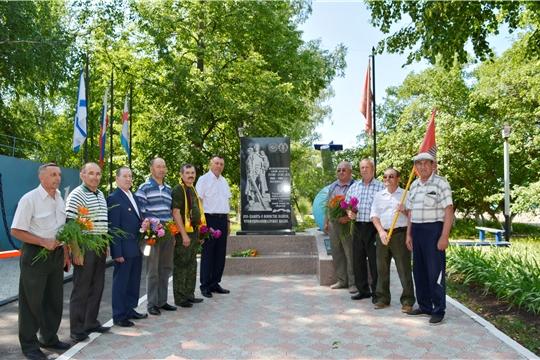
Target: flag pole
{"points": [[111, 131], [428, 145], [88, 123], [374, 112], [130, 121], [401, 202]]}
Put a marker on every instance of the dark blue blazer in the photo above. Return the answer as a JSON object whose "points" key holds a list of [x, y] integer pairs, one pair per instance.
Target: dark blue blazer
{"points": [[123, 216]]}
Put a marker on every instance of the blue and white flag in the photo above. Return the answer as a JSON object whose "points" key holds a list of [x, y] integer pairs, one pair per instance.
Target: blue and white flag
{"points": [[79, 133], [125, 128]]}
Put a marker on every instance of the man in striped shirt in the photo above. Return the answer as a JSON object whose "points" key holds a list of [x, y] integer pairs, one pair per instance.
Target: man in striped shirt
{"points": [[88, 270], [364, 231], [155, 199], [431, 213]]}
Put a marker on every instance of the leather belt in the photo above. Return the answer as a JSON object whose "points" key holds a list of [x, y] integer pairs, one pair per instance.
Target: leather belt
{"points": [[397, 230], [216, 215]]}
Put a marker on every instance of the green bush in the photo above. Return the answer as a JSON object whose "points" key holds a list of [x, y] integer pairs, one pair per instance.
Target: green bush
{"points": [[510, 273], [307, 224]]}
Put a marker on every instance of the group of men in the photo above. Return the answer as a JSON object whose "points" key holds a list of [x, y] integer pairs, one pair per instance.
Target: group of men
{"points": [[362, 259], [42, 211]]}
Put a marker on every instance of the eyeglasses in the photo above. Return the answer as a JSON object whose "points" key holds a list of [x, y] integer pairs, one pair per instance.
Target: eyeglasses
{"points": [[342, 170], [391, 176]]}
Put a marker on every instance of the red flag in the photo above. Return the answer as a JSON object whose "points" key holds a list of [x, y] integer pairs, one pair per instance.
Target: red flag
{"points": [[366, 99], [429, 145]]}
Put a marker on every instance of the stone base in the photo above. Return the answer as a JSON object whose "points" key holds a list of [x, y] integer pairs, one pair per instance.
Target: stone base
{"points": [[299, 254]]}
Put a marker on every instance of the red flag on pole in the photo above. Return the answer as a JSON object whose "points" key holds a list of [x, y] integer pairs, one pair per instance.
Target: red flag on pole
{"points": [[429, 145], [366, 99]]}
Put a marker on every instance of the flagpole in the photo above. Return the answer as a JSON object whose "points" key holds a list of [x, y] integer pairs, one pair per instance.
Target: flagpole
{"points": [[88, 123], [130, 121], [401, 202], [374, 112], [111, 133]]}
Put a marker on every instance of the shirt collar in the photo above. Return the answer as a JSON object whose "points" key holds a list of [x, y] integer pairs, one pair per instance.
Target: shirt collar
{"points": [[88, 190]]}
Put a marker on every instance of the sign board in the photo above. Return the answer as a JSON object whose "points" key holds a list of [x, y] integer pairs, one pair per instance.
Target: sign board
{"points": [[265, 184]]}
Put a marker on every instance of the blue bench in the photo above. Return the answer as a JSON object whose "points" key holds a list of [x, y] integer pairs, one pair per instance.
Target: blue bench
{"points": [[482, 236]]}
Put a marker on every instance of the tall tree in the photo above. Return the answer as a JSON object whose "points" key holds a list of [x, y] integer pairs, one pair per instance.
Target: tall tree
{"points": [[445, 27]]}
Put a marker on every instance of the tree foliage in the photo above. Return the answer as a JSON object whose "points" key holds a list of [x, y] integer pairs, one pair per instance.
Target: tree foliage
{"points": [[445, 27], [473, 107]]}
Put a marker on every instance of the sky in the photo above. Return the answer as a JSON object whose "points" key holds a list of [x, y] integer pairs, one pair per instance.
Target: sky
{"points": [[347, 22]]}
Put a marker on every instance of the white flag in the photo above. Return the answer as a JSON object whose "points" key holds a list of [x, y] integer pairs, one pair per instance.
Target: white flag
{"points": [[79, 133]]}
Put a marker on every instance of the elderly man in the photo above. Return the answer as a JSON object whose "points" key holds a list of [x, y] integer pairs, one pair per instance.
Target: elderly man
{"points": [[38, 217], [186, 211], [214, 192], [383, 211], [124, 214], [88, 270], [364, 232], [431, 213], [155, 198], [341, 247]]}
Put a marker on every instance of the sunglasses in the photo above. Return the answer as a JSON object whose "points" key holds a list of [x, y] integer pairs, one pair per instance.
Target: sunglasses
{"points": [[391, 176]]}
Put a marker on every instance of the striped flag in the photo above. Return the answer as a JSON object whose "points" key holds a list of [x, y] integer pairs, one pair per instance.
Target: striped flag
{"points": [[79, 132], [125, 128], [366, 99], [103, 124]]}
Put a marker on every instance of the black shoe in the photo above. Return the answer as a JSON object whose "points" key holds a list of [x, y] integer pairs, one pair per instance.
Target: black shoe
{"points": [[124, 323], [78, 337], [195, 300], [154, 310], [360, 296], [138, 316], [185, 304], [374, 299], [206, 293], [168, 307], [218, 289], [58, 346], [35, 354], [99, 329]]}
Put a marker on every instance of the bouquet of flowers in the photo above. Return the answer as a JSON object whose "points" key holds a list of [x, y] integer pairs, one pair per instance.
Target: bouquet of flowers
{"points": [[206, 232], [337, 207], [246, 253], [78, 236], [153, 232], [353, 206], [334, 208]]}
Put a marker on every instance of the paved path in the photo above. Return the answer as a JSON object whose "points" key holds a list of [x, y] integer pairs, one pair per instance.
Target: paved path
{"points": [[291, 317]]}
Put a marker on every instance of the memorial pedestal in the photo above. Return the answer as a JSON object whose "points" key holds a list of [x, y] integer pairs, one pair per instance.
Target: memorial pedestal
{"points": [[283, 255]]}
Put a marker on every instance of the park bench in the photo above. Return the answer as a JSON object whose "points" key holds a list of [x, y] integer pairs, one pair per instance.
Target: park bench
{"points": [[482, 236]]}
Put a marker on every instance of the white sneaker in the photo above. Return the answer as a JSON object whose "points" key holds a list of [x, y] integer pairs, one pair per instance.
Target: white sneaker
{"points": [[353, 289], [337, 286]]}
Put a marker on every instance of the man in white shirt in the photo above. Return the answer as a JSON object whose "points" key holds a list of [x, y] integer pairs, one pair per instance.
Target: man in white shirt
{"points": [[383, 211], [38, 217], [214, 192]]}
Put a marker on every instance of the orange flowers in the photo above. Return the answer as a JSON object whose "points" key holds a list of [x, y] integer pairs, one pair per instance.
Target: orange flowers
{"points": [[171, 227], [336, 201], [82, 210], [254, 253]]}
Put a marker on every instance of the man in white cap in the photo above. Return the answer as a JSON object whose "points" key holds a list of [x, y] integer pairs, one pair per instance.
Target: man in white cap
{"points": [[431, 212]]}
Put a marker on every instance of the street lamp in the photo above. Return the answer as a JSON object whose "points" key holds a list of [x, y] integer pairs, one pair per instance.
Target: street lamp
{"points": [[506, 130]]}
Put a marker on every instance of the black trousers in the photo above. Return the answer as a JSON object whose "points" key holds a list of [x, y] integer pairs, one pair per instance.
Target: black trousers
{"points": [[364, 247], [88, 283], [213, 253], [41, 297]]}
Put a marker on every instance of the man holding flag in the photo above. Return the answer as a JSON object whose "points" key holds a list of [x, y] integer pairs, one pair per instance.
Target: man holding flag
{"points": [[431, 212]]}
